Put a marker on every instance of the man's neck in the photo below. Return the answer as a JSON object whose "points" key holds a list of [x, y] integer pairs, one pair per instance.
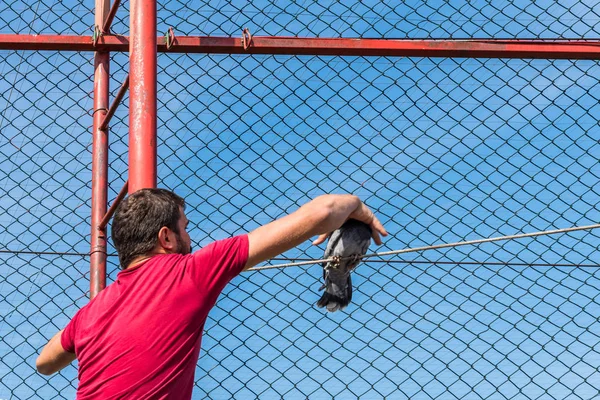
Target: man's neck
{"points": [[137, 261]]}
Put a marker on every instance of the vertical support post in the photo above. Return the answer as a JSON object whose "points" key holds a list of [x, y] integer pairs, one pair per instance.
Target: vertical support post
{"points": [[142, 95], [99, 161]]}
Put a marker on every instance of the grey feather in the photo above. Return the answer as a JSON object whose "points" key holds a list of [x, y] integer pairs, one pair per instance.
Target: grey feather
{"points": [[351, 239]]}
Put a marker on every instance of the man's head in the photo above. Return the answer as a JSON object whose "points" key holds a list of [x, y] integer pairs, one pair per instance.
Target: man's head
{"points": [[150, 221]]}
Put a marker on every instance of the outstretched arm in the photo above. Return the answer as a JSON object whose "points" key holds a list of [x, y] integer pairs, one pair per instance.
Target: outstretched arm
{"points": [[53, 357], [318, 217]]}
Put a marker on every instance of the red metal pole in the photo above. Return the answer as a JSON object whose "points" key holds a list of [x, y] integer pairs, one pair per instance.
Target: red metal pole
{"points": [[142, 95], [99, 162]]}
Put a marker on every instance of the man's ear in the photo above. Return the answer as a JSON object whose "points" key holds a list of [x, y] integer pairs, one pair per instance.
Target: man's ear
{"points": [[166, 239]]}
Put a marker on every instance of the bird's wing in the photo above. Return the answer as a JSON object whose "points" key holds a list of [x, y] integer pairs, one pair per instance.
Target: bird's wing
{"points": [[335, 237]]}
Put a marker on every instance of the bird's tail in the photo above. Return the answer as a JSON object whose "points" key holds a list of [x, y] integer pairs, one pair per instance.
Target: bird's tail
{"points": [[335, 299]]}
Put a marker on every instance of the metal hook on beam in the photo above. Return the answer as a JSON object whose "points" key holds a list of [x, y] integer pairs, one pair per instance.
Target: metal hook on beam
{"points": [[246, 38], [169, 38]]}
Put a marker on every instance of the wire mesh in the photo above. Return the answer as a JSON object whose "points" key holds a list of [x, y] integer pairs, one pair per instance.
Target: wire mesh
{"points": [[411, 19], [50, 17], [45, 189], [443, 150]]}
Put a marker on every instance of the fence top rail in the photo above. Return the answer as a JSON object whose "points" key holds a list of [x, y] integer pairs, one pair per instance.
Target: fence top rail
{"points": [[245, 44]]}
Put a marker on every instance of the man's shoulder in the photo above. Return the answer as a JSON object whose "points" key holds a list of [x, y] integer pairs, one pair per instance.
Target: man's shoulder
{"points": [[224, 244]]}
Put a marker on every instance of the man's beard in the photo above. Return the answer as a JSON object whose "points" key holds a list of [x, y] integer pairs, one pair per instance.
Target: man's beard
{"points": [[182, 247]]}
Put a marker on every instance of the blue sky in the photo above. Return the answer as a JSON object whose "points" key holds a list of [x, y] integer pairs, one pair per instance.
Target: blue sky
{"points": [[444, 149]]}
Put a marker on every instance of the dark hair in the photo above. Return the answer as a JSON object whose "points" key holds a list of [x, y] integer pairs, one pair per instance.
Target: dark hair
{"points": [[139, 218]]}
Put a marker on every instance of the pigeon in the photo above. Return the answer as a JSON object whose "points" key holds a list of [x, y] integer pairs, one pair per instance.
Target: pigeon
{"points": [[351, 240]]}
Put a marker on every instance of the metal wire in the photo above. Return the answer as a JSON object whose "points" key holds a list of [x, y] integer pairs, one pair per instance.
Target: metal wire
{"points": [[433, 247]]}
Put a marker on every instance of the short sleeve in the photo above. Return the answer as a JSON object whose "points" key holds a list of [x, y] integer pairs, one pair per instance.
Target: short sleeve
{"points": [[67, 338], [218, 263]]}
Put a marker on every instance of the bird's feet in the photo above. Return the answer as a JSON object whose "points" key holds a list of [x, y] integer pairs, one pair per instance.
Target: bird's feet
{"points": [[335, 262], [353, 261]]}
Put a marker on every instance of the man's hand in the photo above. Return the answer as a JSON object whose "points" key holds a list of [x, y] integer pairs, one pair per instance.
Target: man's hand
{"points": [[319, 217], [363, 214], [53, 357]]}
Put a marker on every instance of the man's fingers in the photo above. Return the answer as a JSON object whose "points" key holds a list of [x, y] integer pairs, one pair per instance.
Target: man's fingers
{"points": [[376, 237], [378, 230], [321, 239]]}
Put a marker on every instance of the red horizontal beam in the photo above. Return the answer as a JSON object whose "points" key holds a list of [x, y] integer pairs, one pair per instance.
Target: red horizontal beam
{"points": [[473, 48]]}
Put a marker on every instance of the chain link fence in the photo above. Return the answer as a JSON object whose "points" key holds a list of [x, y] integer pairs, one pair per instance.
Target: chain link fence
{"points": [[367, 19], [443, 149], [45, 121]]}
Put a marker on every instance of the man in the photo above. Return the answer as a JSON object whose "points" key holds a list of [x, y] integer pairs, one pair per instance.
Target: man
{"points": [[140, 337]]}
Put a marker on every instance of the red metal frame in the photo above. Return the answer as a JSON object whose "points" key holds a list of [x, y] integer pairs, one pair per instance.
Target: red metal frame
{"points": [[142, 95], [113, 207], [110, 17], [144, 45], [99, 162], [115, 104], [473, 48]]}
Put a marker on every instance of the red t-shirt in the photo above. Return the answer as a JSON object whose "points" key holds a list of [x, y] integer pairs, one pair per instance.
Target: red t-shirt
{"points": [[140, 337]]}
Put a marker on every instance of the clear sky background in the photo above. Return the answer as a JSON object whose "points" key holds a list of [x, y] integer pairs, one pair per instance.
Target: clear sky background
{"points": [[444, 149]]}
